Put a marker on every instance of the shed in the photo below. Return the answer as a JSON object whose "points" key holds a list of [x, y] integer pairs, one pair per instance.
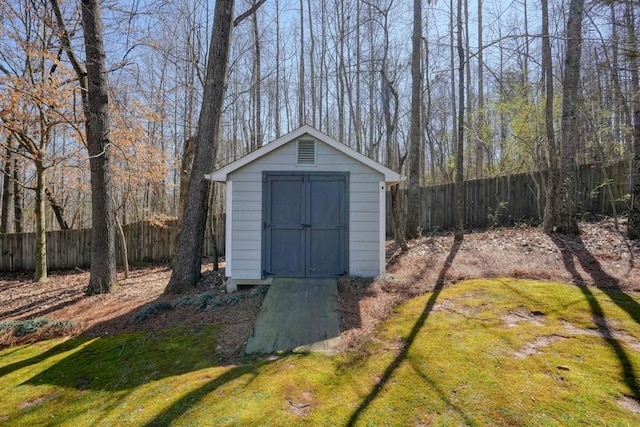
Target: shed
{"points": [[304, 205]]}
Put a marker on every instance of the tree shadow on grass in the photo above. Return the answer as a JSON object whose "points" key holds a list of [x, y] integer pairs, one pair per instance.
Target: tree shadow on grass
{"points": [[408, 342], [124, 362], [119, 363], [572, 247], [182, 405], [52, 352]]}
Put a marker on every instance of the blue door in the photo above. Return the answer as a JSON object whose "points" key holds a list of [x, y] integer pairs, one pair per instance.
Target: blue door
{"points": [[305, 230]]}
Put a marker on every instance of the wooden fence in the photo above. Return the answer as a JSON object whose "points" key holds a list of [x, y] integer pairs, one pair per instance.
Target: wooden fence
{"points": [[507, 200], [503, 200], [146, 242]]}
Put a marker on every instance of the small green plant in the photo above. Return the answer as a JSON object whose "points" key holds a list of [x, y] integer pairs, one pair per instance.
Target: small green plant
{"points": [[259, 291], [20, 328], [201, 302], [8, 325], [624, 198], [198, 301], [150, 310], [30, 326], [595, 192], [62, 326], [493, 217]]}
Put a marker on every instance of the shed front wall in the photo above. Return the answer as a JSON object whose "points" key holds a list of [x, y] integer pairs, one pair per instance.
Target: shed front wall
{"points": [[366, 246]]}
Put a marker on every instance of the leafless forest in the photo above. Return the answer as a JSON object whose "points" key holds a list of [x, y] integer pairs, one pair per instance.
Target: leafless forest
{"points": [[439, 91]]}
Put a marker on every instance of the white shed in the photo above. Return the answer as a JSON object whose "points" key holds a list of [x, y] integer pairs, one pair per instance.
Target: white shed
{"points": [[304, 205]]}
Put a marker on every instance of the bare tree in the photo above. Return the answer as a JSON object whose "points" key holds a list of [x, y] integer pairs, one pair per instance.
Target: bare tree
{"points": [[391, 117], [103, 277], [553, 179], [459, 191], [566, 221], [276, 110], [188, 258], [95, 104], [480, 114], [35, 97], [415, 129], [18, 195], [186, 271], [6, 211], [302, 115], [257, 138], [633, 226]]}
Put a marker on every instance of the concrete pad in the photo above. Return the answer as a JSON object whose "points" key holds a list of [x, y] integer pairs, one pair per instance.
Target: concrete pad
{"points": [[297, 315]]}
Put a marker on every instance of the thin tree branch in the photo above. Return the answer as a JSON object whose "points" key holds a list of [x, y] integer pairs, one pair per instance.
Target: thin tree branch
{"points": [[246, 14], [11, 178], [81, 72]]}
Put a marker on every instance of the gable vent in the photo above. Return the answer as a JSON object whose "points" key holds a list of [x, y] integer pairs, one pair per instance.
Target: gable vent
{"points": [[306, 152]]}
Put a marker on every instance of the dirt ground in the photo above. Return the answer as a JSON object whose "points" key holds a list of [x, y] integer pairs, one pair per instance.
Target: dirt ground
{"points": [[601, 256]]}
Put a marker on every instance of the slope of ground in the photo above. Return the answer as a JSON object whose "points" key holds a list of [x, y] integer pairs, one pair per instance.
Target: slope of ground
{"points": [[498, 352], [601, 256]]}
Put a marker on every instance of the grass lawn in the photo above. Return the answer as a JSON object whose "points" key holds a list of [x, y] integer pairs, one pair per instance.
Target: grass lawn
{"points": [[481, 352]]}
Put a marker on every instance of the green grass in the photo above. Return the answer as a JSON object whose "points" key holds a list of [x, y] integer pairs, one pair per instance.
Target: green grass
{"points": [[446, 358]]}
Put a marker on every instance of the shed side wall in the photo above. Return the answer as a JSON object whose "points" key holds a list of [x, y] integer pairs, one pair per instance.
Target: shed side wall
{"points": [[364, 209]]}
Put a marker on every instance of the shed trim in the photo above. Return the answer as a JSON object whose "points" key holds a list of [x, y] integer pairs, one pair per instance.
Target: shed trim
{"points": [[383, 236], [221, 174], [228, 232]]}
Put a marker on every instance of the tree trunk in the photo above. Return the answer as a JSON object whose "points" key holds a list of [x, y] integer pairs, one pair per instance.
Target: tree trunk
{"points": [[566, 221], [633, 225], [276, 110], [57, 208], [452, 82], [415, 129], [41, 227], [6, 223], [18, 196], [186, 165], [553, 178], [190, 242], [312, 69], [391, 124], [257, 85], [302, 118], [123, 246], [340, 73], [480, 128], [103, 277], [459, 188], [467, 83]]}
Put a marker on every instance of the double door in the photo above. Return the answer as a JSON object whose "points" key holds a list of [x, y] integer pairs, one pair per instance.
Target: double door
{"points": [[305, 224]]}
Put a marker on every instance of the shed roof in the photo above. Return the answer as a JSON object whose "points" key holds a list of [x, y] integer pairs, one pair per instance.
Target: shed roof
{"points": [[221, 174]]}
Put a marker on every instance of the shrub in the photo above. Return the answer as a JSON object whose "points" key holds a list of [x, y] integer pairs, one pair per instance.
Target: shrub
{"points": [[21, 328], [150, 310]]}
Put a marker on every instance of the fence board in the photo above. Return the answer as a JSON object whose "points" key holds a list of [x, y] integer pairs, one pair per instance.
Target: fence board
{"points": [[505, 200], [508, 199], [72, 248]]}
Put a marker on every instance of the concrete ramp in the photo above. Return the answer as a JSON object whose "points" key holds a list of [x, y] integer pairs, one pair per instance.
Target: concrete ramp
{"points": [[297, 315]]}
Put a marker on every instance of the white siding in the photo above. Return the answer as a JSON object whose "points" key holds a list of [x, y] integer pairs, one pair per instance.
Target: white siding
{"points": [[364, 209]]}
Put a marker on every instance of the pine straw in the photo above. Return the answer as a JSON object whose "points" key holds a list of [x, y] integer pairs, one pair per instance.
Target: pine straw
{"points": [[602, 256]]}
